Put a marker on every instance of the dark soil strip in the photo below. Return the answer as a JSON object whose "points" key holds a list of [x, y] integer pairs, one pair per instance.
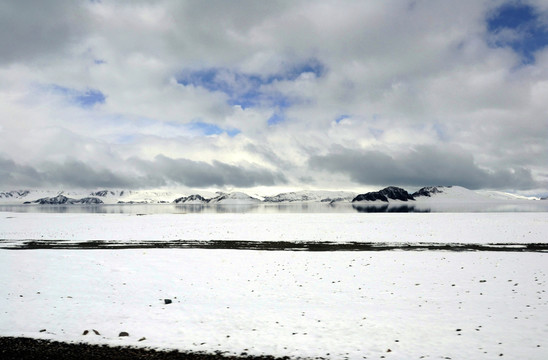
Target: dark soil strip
{"points": [[15, 348], [270, 245]]}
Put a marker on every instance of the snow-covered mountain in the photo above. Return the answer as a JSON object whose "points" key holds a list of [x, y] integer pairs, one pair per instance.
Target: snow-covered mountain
{"points": [[106, 196], [63, 200], [448, 194], [194, 199], [234, 198], [311, 196], [500, 195], [426, 195]]}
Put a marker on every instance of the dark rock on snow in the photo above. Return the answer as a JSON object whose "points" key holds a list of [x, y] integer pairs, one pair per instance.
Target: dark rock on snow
{"points": [[370, 196], [191, 198], [63, 200], [391, 192], [428, 191]]}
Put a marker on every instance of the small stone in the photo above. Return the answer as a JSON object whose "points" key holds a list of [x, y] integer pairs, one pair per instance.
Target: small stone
{"points": [[85, 332], [96, 332], [167, 301], [43, 330], [123, 333], [389, 350], [142, 339]]}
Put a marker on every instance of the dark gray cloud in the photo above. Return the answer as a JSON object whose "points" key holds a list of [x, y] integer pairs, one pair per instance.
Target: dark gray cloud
{"points": [[426, 165], [161, 171], [29, 29], [201, 174], [13, 174], [72, 173]]}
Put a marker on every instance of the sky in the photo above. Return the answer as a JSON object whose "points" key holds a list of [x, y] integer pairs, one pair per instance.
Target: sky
{"points": [[274, 95]]}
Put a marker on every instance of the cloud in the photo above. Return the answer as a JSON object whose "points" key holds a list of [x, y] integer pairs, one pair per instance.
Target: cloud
{"points": [[71, 173], [257, 89], [202, 175], [426, 165], [137, 173], [30, 30]]}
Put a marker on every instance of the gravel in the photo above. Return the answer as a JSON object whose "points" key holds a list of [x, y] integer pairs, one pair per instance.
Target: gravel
{"points": [[27, 349]]}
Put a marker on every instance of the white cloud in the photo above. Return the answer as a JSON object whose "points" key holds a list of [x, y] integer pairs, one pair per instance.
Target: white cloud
{"points": [[403, 73]]}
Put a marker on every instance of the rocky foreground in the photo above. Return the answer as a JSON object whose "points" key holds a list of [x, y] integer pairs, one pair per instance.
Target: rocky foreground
{"points": [[16, 348]]}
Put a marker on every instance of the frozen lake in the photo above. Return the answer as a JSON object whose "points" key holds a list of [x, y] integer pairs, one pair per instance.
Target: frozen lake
{"points": [[273, 208]]}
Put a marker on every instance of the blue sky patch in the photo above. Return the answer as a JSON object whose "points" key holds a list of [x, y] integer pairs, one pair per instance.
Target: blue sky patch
{"points": [[276, 118], [520, 27], [85, 99], [212, 129], [248, 90], [341, 118], [90, 98]]}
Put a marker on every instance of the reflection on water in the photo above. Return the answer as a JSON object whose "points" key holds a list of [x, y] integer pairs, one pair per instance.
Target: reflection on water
{"points": [[523, 206], [389, 208]]}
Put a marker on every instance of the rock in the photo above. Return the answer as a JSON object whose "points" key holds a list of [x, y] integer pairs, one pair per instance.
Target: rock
{"points": [[142, 339], [43, 330], [63, 200], [167, 301], [192, 199], [123, 333], [89, 201], [428, 191], [85, 332], [96, 332], [370, 196], [391, 192]]}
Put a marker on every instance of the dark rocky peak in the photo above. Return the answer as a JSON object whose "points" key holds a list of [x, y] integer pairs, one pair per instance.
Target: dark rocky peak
{"points": [[14, 194], [59, 199], [391, 192], [89, 201], [192, 198], [429, 191], [102, 193], [371, 196], [63, 200], [396, 193]]}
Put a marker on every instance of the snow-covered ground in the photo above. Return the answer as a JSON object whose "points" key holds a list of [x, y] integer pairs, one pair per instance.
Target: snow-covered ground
{"points": [[333, 227], [396, 304], [400, 305]]}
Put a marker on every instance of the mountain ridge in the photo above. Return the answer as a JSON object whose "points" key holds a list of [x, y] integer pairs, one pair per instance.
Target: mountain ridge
{"points": [[118, 196]]}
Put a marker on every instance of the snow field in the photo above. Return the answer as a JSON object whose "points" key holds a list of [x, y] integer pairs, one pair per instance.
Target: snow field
{"points": [[397, 305], [335, 227]]}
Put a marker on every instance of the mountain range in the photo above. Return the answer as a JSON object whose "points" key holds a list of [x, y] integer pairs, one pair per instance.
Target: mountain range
{"points": [[386, 195]]}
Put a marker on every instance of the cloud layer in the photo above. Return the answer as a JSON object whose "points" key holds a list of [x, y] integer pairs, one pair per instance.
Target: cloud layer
{"points": [[294, 94]]}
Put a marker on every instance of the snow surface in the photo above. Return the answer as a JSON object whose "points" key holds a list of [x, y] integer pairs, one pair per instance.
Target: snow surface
{"points": [[337, 227], [396, 304], [338, 305]]}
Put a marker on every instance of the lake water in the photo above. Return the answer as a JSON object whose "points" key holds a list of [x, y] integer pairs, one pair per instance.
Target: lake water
{"points": [[506, 206]]}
